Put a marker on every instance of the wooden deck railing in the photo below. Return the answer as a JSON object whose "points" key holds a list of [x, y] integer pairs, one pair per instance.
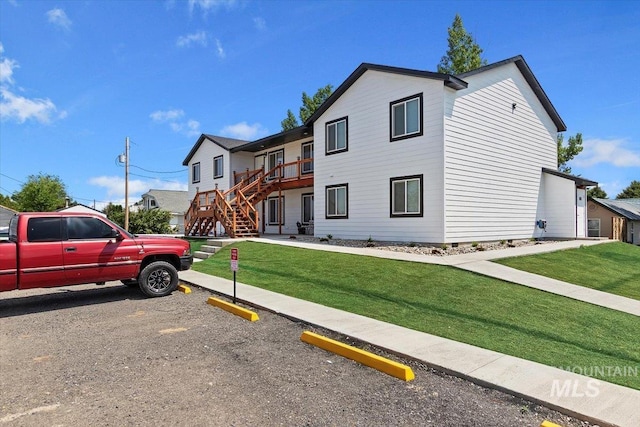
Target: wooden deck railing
{"points": [[251, 187]]}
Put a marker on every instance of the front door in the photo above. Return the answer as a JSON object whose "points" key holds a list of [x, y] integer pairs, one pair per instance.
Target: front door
{"points": [[91, 254], [581, 212], [41, 260]]}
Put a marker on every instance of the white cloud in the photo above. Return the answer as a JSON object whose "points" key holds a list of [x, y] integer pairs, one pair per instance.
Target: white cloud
{"points": [[244, 131], [164, 116], [58, 18], [6, 67], [17, 107], [221, 52], [200, 38], [174, 118], [260, 23], [612, 151], [210, 5]]}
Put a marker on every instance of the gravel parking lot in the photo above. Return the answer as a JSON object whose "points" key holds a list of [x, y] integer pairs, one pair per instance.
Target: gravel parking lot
{"points": [[106, 356]]}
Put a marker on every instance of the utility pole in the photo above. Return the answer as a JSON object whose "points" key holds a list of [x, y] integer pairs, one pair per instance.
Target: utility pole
{"points": [[126, 184]]}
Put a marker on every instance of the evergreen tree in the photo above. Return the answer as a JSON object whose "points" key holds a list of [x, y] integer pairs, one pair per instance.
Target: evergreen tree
{"points": [[309, 106], [464, 54], [597, 193], [631, 192]]}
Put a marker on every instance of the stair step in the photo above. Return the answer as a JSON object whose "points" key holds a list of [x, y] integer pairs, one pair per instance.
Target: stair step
{"points": [[202, 255]]}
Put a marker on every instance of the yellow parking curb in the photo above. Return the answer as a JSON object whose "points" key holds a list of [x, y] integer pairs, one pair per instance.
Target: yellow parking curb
{"points": [[385, 365], [184, 289], [234, 309], [546, 423]]}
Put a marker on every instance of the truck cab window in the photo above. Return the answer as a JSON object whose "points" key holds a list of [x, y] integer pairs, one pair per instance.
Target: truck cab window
{"points": [[44, 229], [87, 228]]}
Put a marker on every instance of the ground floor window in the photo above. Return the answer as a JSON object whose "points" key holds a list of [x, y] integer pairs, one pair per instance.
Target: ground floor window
{"points": [[337, 205], [275, 211], [406, 196], [307, 208], [593, 227]]}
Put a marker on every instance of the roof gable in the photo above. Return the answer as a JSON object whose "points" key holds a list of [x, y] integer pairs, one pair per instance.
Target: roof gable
{"points": [[224, 142], [174, 201], [531, 80], [448, 80]]}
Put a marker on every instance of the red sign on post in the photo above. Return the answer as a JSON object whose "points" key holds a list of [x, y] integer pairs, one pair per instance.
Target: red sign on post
{"points": [[234, 259]]}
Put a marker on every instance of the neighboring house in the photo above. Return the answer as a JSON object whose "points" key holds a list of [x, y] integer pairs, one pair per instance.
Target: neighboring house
{"points": [[401, 155], [176, 202], [617, 219], [5, 215], [80, 208]]}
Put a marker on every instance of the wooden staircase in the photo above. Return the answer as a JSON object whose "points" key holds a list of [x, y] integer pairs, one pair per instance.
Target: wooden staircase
{"points": [[235, 208]]}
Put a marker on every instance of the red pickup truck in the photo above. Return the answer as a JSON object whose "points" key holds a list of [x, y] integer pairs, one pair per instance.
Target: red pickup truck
{"points": [[59, 249]]}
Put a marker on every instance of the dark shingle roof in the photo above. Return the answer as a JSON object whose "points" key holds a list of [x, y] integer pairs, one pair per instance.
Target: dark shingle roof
{"points": [[224, 142], [628, 208]]}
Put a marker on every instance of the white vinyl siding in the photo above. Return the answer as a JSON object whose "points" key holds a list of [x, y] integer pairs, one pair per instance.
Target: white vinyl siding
{"points": [[494, 155]]}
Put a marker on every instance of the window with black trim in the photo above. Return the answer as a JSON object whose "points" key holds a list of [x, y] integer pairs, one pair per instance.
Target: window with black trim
{"points": [[275, 206], [337, 201], [307, 208], [406, 196], [336, 136], [195, 173], [406, 117], [217, 167], [307, 154]]}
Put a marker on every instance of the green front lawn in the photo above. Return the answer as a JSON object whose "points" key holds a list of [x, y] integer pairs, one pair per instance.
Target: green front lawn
{"points": [[448, 302], [608, 267]]}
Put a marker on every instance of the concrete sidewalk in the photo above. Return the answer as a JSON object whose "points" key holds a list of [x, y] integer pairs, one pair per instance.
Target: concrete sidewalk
{"points": [[576, 395], [478, 262]]}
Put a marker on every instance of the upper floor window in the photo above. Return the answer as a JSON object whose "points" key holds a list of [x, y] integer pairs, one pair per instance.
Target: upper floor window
{"points": [[307, 157], [217, 167], [406, 117], [336, 136], [195, 172], [406, 196]]}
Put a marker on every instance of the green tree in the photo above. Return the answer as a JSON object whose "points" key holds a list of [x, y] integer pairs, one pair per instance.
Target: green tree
{"points": [[568, 151], [464, 54], [631, 192], [154, 221], [309, 106], [115, 213], [290, 122], [597, 192], [41, 193], [7, 202]]}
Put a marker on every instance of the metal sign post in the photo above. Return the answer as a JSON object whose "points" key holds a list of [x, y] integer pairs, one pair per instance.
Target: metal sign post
{"points": [[234, 268]]}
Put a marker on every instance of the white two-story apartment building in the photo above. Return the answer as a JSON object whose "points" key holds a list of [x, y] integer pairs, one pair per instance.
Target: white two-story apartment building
{"points": [[400, 155]]}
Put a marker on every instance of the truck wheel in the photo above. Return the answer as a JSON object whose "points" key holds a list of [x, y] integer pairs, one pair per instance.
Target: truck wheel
{"points": [[158, 279]]}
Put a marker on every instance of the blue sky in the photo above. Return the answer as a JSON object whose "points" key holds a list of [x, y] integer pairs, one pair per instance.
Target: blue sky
{"points": [[77, 77]]}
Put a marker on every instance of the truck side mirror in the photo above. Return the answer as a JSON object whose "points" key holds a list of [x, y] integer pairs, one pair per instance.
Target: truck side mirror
{"points": [[115, 234]]}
